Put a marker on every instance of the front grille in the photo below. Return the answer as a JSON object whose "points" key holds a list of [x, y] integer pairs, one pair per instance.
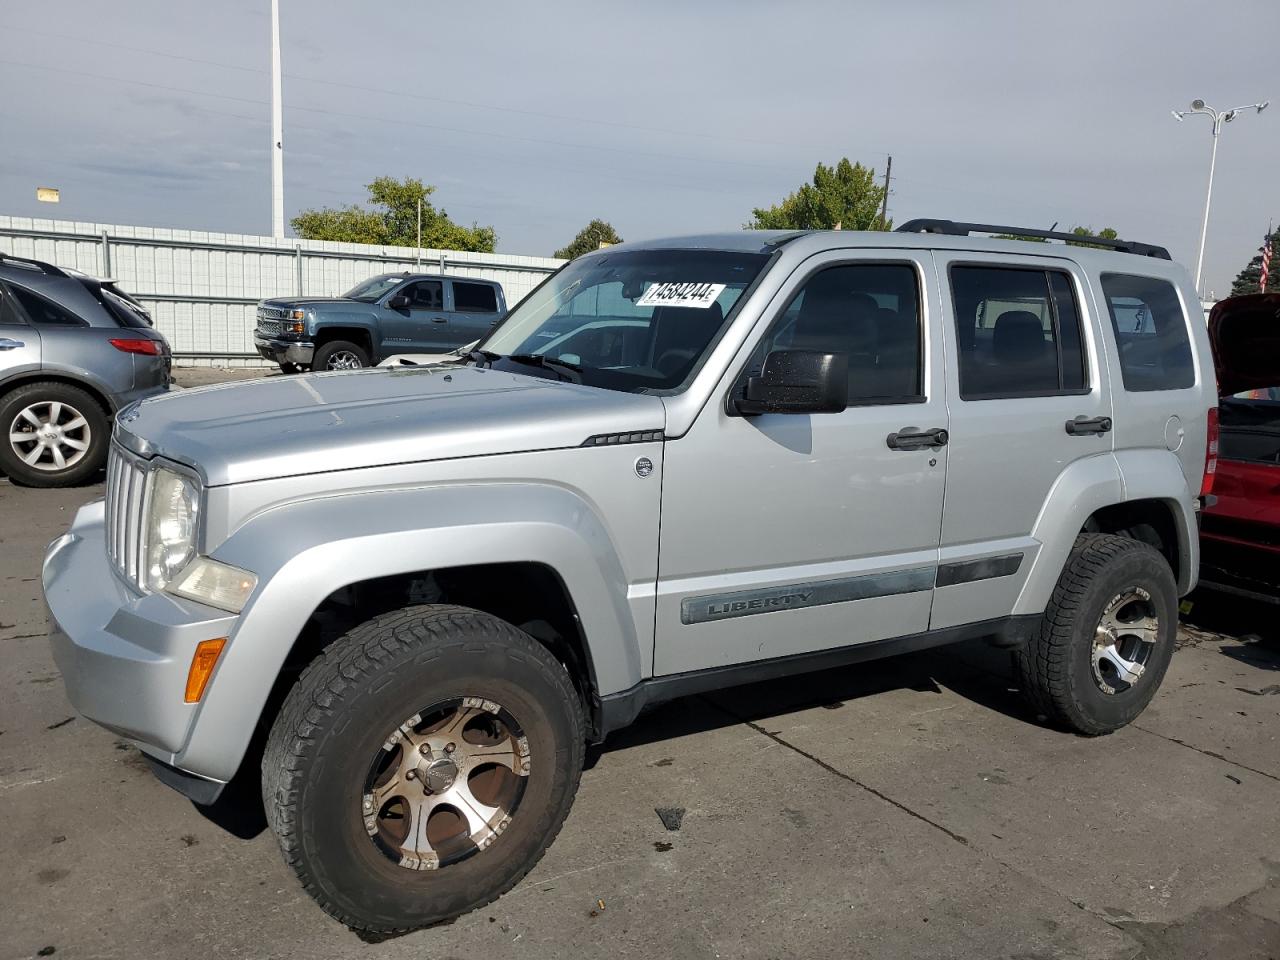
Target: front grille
{"points": [[269, 328], [126, 496], [273, 313]]}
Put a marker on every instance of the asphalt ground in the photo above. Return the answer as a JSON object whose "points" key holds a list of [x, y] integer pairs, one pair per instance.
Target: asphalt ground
{"points": [[906, 808]]}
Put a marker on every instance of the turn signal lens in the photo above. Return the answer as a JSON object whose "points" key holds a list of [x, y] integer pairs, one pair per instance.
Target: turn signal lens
{"points": [[202, 664], [217, 584], [298, 315]]}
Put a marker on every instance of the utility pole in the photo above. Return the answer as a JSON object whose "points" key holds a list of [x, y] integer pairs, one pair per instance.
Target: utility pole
{"points": [[419, 231], [884, 201], [277, 129]]}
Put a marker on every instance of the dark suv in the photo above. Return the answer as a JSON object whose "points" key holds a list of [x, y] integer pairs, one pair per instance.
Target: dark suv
{"points": [[73, 351], [384, 315]]}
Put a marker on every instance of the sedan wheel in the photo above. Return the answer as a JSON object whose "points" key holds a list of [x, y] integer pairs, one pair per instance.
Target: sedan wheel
{"points": [[55, 435]]}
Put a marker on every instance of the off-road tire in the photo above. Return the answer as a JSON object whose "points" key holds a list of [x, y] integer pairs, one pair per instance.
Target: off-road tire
{"points": [[1055, 667], [320, 360], [98, 423], [343, 706]]}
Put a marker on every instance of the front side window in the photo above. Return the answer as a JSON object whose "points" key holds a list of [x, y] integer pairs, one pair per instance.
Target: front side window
{"points": [[425, 295], [639, 321], [868, 312], [373, 289], [1151, 332], [474, 298], [45, 313], [1017, 332]]}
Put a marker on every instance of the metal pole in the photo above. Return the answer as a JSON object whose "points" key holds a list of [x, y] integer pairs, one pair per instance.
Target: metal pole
{"points": [[419, 231], [884, 201], [1208, 198], [106, 256], [297, 251], [277, 129]]}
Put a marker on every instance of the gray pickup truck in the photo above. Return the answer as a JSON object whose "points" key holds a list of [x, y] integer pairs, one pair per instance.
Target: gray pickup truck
{"points": [[388, 314], [676, 466]]}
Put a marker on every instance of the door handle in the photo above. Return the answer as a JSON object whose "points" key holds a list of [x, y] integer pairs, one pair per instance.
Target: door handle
{"points": [[439, 319], [7, 344], [913, 438], [1081, 426]]}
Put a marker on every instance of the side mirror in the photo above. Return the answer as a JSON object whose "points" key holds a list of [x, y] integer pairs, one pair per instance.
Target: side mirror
{"points": [[797, 381], [398, 302]]}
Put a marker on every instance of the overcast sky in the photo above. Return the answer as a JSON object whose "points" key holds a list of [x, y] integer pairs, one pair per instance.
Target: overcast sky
{"points": [[665, 116]]}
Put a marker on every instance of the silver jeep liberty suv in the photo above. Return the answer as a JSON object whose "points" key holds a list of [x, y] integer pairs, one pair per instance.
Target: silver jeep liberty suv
{"points": [[676, 466]]}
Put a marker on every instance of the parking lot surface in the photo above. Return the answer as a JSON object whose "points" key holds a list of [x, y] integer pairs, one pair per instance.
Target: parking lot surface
{"points": [[907, 808]]}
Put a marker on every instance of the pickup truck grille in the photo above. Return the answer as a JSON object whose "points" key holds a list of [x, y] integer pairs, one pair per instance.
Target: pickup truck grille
{"points": [[272, 313], [269, 328], [126, 496]]}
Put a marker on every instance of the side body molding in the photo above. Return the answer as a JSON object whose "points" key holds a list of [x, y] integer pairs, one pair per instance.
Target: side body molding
{"points": [[304, 551]]}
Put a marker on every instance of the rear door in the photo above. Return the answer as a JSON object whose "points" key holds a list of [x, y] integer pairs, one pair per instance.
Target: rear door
{"points": [[1024, 359], [19, 341], [473, 310]]}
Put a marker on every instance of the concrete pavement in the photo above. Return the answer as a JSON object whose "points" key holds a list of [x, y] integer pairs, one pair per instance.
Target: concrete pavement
{"points": [[909, 808]]}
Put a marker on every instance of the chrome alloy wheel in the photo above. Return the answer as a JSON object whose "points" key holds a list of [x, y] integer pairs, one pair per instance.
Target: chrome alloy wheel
{"points": [[1124, 640], [446, 783], [343, 360], [49, 435]]}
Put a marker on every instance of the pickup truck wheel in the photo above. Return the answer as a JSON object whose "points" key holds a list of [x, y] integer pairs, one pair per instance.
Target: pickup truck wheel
{"points": [[422, 765], [340, 355], [55, 435], [1107, 636]]}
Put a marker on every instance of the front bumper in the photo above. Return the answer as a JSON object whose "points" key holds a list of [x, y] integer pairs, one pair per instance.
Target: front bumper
{"points": [[124, 657], [298, 352]]}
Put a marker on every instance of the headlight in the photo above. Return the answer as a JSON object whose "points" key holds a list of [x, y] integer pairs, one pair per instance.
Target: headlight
{"points": [[217, 584], [172, 515]]}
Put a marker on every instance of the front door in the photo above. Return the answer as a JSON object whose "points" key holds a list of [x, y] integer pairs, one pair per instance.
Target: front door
{"points": [[473, 310], [419, 327], [786, 534], [1024, 357], [19, 342]]}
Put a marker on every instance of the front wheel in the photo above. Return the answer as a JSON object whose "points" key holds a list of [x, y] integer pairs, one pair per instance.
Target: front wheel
{"points": [[56, 435], [340, 355], [422, 765], [1106, 638]]}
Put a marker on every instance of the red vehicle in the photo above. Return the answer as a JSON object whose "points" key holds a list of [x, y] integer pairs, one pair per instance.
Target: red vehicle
{"points": [[1240, 532]]}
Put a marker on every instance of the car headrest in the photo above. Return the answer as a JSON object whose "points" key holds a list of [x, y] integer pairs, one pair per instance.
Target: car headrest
{"points": [[1018, 337]]}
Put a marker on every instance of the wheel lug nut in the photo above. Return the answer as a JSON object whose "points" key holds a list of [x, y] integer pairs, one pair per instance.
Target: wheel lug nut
{"points": [[410, 774], [449, 748], [425, 750]]}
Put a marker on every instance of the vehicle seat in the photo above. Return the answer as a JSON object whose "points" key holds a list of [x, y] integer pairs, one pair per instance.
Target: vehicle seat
{"points": [[835, 320], [425, 297], [1022, 359], [681, 334]]}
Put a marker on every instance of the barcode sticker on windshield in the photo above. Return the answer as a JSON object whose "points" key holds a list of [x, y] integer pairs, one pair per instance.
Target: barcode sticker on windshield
{"points": [[701, 295]]}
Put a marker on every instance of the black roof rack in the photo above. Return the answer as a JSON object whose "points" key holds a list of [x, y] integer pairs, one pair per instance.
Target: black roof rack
{"points": [[48, 268], [954, 229]]}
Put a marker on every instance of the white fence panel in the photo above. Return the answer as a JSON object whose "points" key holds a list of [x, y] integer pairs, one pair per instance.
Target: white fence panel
{"points": [[202, 288]]}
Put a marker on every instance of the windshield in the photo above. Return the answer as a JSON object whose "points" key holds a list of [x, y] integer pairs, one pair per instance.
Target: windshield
{"points": [[638, 321], [372, 289]]}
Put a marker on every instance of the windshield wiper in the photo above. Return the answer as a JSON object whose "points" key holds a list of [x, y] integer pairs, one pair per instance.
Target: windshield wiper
{"points": [[482, 357], [568, 371]]}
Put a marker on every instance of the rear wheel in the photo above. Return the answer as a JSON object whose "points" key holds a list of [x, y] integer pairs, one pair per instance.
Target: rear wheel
{"points": [[55, 435], [1107, 636], [422, 766], [340, 355]]}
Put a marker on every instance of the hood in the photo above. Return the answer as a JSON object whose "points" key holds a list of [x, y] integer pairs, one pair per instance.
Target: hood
{"points": [[1245, 334], [288, 426], [286, 303]]}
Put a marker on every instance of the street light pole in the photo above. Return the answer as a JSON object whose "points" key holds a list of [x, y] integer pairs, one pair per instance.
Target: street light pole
{"points": [[277, 129], [1219, 117]]}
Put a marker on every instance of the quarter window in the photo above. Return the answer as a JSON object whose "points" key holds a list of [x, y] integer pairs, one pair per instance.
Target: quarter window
{"points": [[474, 298], [45, 313], [870, 313], [1151, 332], [1017, 332]]}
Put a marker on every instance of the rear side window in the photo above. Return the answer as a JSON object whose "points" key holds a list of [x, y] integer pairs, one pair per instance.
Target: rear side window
{"points": [[1151, 332], [1017, 333], [45, 313], [474, 298]]}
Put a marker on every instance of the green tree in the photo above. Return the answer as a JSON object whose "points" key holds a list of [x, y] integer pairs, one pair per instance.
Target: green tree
{"points": [[394, 220], [1247, 279], [589, 238], [845, 196]]}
